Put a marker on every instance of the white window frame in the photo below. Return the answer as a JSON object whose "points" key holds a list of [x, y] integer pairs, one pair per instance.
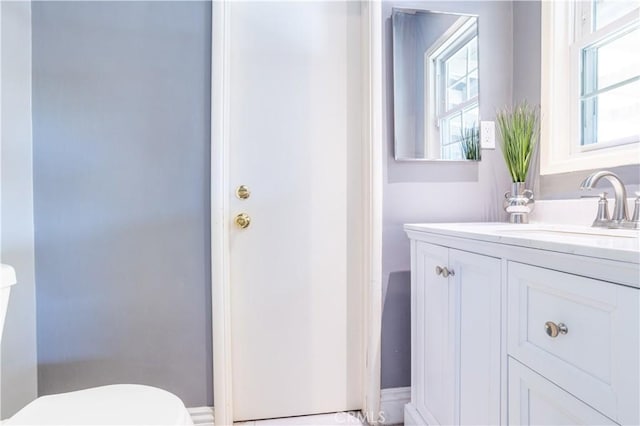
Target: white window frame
{"points": [[432, 76], [563, 26]]}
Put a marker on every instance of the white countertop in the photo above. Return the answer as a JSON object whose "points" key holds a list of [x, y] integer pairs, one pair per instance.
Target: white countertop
{"points": [[615, 244]]}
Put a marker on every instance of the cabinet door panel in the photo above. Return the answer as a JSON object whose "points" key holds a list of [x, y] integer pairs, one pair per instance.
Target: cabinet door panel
{"points": [[477, 286], [533, 400], [433, 337]]}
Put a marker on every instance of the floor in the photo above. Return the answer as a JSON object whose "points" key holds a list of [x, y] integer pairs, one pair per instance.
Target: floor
{"points": [[336, 419]]}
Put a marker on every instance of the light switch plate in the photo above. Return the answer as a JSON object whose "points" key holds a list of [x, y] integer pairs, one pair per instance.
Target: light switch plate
{"points": [[487, 135]]}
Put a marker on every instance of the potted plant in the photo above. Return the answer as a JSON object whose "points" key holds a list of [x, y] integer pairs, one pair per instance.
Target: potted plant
{"points": [[519, 131], [470, 143]]}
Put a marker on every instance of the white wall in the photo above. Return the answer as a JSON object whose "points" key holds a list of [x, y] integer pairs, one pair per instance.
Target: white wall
{"points": [[18, 384]]}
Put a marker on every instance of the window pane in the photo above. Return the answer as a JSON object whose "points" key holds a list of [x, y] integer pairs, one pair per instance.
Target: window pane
{"points": [[612, 115], [473, 84], [613, 62], [456, 66], [607, 11], [450, 137], [455, 152], [456, 94], [461, 74], [473, 54], [456, 71], [470, 117], [454, 130]]}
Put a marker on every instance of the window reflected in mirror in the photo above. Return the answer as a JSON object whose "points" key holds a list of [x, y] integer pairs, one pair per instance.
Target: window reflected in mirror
{"points": [[436, 86]]}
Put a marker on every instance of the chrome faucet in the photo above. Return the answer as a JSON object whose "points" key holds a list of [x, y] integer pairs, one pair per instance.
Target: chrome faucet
{"points": [[620, 216]]}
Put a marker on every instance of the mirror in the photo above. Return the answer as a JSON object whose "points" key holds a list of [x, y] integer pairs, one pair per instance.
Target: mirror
{"points": [[435, 86]]}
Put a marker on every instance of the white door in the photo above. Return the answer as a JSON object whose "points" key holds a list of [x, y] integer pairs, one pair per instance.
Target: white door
{"points": [[296, 270]]}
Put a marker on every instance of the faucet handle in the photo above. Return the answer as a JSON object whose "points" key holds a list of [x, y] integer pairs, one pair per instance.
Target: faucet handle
{"points": [[602, 220], [635, 219]]}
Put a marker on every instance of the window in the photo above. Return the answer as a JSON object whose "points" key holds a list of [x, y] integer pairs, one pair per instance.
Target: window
{"points": [[591, 85], [610, 78], [452, 67]]}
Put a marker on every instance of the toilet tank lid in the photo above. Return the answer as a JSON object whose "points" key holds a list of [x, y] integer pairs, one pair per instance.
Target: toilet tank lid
{"points": [[8, 276]]}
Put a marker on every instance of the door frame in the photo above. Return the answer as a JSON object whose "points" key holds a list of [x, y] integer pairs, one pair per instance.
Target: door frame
{"points": [[372, 149]]}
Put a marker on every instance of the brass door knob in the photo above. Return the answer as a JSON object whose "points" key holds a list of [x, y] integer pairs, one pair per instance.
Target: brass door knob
{"points": [[552, 329], [242, 220]]}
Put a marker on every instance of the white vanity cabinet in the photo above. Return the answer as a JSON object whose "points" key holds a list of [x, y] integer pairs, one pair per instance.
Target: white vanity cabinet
{"points": [[455, 336], [537, 329]]}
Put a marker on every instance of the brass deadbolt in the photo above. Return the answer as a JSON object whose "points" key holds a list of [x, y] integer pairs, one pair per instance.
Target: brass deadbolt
{"points": [[243, 192]]}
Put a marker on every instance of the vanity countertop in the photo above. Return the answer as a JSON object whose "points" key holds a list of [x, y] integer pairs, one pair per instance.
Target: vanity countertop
{"points": [[615, 244]]}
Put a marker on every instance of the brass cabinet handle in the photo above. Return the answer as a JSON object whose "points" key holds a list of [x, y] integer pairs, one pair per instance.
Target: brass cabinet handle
{"points": [[554, 329], [242, 220], [439, 270]]}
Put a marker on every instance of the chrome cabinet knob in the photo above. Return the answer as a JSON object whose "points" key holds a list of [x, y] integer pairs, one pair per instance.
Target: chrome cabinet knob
{"points": [[444, 271], [554, 329]]}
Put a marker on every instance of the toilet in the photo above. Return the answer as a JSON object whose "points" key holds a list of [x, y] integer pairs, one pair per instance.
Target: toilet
{"points": [[105, 405]]}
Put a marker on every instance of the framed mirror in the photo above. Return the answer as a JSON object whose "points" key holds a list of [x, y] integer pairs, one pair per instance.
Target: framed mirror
{"points": [[436, 86]]}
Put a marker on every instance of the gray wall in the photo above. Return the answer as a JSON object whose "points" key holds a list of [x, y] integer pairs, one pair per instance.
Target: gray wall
{"points": [[439, 192], [121, 111], [526, 86], [526, 68], [526, 51], [18, 374]]}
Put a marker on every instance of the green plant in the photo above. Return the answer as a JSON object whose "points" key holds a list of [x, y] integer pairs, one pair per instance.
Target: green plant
{"points": [[519, 132], [470, 142]]}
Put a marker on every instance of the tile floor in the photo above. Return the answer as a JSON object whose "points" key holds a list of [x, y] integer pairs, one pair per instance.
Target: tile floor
{"points": [[336, 419]]}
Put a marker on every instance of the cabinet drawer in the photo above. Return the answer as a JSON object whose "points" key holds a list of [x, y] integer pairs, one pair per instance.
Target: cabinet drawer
{"points": [[533, 400], [597, 359]]}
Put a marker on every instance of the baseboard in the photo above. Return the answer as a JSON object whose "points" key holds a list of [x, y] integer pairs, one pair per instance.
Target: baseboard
{"points": [[201, 416], [392, 402]]}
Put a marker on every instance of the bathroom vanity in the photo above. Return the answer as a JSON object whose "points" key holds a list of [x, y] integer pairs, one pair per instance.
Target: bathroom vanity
{"points": [[524, 324]]}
